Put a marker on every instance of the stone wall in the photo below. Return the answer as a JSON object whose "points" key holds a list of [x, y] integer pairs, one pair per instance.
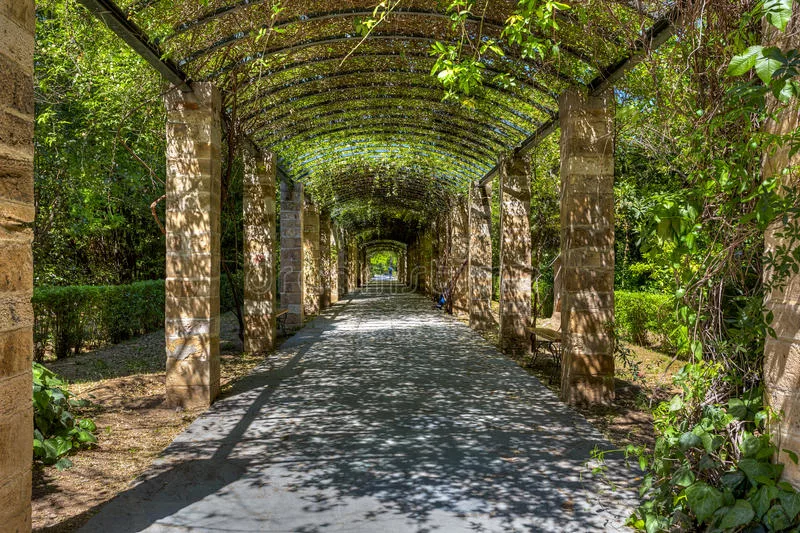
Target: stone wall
{"points": [[587, 247], [326, 267], [311, 264], [515, 254], [194, 177], [259, 252], [480, 258], [17, 20], [460, 239], [292, 281]]}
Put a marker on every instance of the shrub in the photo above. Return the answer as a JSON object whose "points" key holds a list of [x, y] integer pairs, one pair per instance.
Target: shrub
{"points": [[544, 289], [645, 318], [57, 431], [67, 319], [712, 463]]}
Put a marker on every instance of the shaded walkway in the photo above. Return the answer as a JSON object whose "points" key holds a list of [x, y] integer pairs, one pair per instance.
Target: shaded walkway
{"points": [[382, 415]]}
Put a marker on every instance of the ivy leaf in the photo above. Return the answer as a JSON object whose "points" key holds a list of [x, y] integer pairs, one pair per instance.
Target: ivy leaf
{"points": [[757, 471], [768, 62], [762, 499], [790, 500], [689, 440], [63, 464], [739, 514], [778, 12], [703, 500], [744, 62], [683, 477], [776, 519]]}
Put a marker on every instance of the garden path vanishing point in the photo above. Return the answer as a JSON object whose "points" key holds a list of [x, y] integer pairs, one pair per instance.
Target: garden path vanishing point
{"points": [[381, 415]]}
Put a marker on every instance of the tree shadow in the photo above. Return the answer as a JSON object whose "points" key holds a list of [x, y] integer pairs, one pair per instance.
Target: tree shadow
{"points": [[391, 418]]}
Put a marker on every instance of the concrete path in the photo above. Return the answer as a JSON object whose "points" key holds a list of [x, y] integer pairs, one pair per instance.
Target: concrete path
{"points": [[380, 416]]}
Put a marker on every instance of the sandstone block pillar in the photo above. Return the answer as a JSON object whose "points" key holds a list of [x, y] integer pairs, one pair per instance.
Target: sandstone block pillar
{"points": [[587, 247], [460, 248], [366, 272], [515, 254], [480, 258], [311, 263], [333, 263], [259, 255], [194, 177], [17, 18], [782, 294], [352, 265], [326, 271], [292, 281], [425, 263], [342, 263]]}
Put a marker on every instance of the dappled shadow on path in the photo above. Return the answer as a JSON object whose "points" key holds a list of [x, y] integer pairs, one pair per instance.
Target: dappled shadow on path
{"points": [[387, 417]]}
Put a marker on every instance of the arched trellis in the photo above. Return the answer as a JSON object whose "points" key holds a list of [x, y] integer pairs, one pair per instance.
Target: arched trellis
{"points": [[363, 139], [284, 73]]}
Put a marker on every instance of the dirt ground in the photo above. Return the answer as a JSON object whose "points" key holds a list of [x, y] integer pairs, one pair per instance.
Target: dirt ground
{"points": [[125, 384]]}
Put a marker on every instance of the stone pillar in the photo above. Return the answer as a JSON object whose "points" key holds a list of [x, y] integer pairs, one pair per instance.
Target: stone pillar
{"points": [[292, 282], [325, 268], [515, 254], [587, 247], [311, 263], [333, 263], [194, 177], [352, 265], [401, 267], [411, 275], [343, 264], [782, 298], [480, 258], [259, 252], [366, 274], [17, 21], [425, 262], [435, 278], [460, 247]]}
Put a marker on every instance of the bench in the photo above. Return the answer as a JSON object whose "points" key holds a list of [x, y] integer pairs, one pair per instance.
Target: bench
{"points": [[280, 320], [546, 341]]}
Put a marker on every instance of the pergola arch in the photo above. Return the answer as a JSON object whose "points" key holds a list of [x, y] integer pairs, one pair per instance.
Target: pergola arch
{"points": [[352, 134]]}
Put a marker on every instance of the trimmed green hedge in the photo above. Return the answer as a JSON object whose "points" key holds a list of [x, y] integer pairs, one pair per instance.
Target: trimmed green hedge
{"points": [[646, 318], [69, 319]]}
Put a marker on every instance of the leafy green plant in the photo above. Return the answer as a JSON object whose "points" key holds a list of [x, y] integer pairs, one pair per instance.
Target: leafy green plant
{"points": [[68, 319], [712, 463], [57, 430], [644, 318]]}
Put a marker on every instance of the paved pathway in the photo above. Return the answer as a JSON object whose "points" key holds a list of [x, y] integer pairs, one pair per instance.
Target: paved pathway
{"points": [[381, 416]]}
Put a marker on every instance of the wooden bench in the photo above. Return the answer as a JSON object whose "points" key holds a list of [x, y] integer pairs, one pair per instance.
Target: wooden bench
{"points": [[280, 320], [546, 341]]}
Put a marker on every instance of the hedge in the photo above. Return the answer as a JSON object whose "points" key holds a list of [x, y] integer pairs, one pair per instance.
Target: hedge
{"points": [[643, 318], [646, 318], [69, 319]]}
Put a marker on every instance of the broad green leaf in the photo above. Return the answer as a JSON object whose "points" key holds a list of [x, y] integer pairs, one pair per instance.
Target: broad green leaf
{"points": [[744, 62], [762, 499], [776, 519], [690, 440], [703, 500], [738, 515], [778, 12], [767, 63]]}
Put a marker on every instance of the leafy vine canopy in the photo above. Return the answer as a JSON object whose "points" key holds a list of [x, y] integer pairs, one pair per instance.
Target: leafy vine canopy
{"points": [[388, 112]]}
